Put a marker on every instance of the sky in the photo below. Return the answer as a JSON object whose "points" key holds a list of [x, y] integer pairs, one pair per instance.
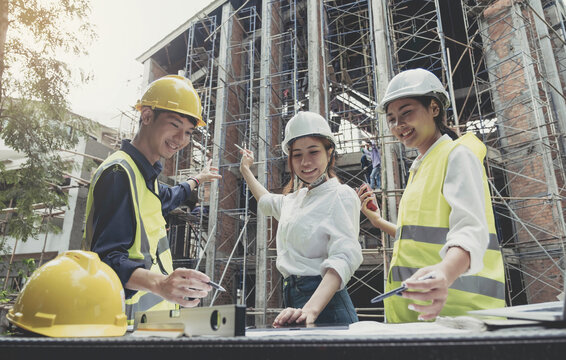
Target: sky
{"points": [[126, 29]]}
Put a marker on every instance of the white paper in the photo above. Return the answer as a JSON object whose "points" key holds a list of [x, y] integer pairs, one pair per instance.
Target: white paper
{"points": [[365, 328]]}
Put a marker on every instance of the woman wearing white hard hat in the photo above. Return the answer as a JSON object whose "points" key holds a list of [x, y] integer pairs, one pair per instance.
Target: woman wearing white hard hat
{"points": [[445, 230], [317, 236]]}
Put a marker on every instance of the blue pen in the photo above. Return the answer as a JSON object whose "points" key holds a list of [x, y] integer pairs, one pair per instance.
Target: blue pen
{"points": [[400, 289]]}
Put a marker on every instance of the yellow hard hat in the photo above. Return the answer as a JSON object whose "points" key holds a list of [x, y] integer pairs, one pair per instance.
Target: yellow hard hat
{"points": [[73, 295], [174, 93]]}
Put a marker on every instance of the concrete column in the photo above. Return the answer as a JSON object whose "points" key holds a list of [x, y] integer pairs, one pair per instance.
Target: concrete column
{"points": [[264, 96], [219, 121], [520, 114], [151, 71], [556, 92], [384, 74], [315, 59], [268, 137], [146, 77]]}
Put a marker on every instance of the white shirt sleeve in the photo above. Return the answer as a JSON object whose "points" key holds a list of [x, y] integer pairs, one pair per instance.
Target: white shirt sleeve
{"points": [[464, 192], [343, 227], [270, 205]]}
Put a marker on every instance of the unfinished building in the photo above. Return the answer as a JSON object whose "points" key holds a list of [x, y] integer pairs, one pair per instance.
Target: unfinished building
{"points": [[256, 63]]}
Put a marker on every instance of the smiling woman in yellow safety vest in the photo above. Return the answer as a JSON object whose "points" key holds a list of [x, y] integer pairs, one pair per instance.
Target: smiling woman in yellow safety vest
{"points": [[126, 205], [445, 224]]}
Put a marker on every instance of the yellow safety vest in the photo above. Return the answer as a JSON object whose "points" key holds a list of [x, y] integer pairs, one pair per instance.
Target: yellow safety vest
{"points": [[150, 245], [421, 233]]}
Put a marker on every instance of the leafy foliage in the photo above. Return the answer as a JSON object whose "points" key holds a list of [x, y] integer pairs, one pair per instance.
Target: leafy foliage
{"points": [[4, 296], [37, 43]]}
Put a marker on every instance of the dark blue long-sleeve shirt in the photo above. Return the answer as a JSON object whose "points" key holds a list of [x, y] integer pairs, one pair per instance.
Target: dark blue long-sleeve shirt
{"points": [[114, 223]]}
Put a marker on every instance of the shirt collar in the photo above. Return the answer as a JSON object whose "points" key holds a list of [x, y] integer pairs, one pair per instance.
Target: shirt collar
{"points": [[418, 161], [328, 184], [149, 172]]}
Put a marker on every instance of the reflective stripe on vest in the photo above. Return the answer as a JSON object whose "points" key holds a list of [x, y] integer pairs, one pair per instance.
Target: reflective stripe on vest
{"points": [[473, 284], [150, 245], [436, 235], [421, 233]]}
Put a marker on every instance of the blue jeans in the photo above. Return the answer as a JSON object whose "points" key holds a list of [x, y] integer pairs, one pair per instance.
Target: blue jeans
{"points": [[367, 174], [297, 290], [375, 178]]}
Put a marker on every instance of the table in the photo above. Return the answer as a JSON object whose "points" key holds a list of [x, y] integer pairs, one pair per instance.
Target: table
{"points": [[534, 342]]}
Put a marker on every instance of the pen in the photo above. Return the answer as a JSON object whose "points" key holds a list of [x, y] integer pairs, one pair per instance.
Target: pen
{"points": [[216, 286], [400, 289], [244, 150]]}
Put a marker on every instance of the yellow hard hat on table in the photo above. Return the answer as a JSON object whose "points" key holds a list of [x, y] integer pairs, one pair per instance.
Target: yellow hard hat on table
{"points": [[73, 295]]}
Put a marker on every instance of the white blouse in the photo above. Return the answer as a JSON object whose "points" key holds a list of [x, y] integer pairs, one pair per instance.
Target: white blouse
{"points": [[463, 190], [318, 229]]}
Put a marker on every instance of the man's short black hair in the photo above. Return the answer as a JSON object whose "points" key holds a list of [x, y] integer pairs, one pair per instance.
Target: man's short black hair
{"points": [[156, 113]]}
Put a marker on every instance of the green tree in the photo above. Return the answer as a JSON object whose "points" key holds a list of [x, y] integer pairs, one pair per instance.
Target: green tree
{"points": [[38, 40]]}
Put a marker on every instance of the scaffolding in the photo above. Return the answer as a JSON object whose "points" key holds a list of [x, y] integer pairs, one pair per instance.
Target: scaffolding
{"points": [[351, 90], [510, 102], [351, 72], [189, 232], [251, 62], [515, 115]]}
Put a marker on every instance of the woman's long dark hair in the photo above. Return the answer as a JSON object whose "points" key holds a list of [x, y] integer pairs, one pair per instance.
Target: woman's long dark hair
{"points": [[440, 119], [289, 187]]}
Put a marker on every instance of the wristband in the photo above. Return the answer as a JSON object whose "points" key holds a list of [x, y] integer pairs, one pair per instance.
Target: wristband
{"points": [[195, 180]]}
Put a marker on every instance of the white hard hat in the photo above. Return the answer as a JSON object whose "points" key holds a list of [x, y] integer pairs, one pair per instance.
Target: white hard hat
{"points": [[414, 82], [306, 123]]}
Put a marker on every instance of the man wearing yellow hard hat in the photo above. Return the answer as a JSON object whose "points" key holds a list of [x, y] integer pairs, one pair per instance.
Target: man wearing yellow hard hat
{"points": [[126, 205]]}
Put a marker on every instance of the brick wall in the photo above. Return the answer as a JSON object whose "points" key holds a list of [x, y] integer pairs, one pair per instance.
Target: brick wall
{"points": [[508, 62]]}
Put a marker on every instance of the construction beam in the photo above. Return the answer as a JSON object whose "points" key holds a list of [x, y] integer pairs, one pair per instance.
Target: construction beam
{"points": [[220, 119], [316, 66], [262, 168]]}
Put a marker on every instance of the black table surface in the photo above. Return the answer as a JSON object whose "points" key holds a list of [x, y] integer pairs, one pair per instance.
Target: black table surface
{"points": [[535, 342]]}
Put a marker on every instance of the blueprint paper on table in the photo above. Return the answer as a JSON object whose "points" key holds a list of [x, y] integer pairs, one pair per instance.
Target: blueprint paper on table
{"points": [[364, 328]]}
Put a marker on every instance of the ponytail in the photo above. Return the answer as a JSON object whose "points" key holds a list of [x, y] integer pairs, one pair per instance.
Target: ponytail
{"points": [[445, 129], [440, 119]]}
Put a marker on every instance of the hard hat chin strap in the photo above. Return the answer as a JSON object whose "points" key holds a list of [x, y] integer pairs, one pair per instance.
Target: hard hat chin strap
{"points": [[319, 180]]}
